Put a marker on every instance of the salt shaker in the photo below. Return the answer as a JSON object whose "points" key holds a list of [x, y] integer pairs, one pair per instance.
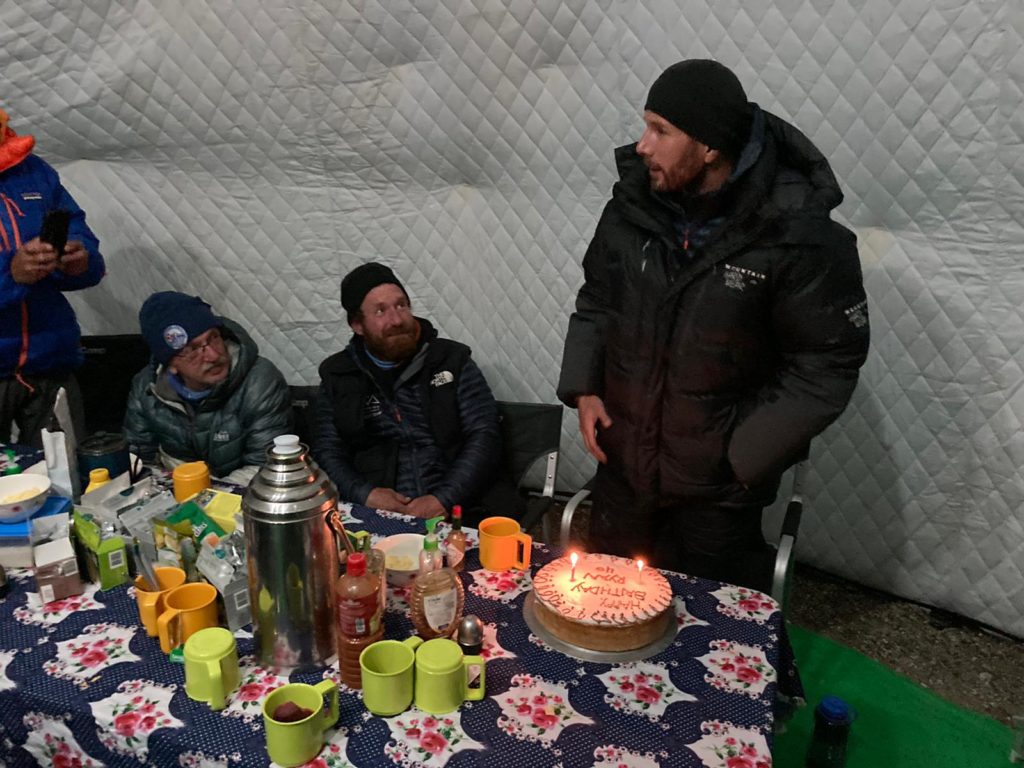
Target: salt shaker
{"points": [[832, 719], [471, 635]]}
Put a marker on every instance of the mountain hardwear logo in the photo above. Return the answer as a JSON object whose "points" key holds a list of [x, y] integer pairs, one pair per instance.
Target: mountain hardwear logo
{"points": [[739, 279]]}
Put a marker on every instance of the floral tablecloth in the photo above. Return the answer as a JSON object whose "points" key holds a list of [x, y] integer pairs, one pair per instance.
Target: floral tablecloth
{"points": [[82, 685]]}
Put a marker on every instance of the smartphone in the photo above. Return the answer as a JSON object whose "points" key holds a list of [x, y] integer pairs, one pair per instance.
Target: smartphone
{"points": [[55, 229]]}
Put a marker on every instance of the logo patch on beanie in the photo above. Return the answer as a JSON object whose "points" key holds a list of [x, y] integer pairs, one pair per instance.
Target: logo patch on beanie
{"points": [[175, 337]]}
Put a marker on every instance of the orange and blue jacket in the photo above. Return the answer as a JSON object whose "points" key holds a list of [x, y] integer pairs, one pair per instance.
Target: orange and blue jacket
{"points": [[38, 330]]}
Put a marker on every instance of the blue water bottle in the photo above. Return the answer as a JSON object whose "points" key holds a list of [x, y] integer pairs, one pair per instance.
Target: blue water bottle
{"points": [[832, 719]]}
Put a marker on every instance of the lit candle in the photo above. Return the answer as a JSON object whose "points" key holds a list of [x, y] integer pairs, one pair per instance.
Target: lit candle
{"points": [[573, 557], [639, 570]]}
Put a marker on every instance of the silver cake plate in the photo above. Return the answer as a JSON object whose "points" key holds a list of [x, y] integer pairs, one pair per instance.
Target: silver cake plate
{"points": [[585, 654]]}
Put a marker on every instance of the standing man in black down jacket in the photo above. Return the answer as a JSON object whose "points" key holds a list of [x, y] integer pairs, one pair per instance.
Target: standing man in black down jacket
{"points": [[405, 419], [720, 327]]}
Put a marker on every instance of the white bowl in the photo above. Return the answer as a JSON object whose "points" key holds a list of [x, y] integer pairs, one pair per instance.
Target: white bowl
{"points": [[402, 557], [15, 486]]}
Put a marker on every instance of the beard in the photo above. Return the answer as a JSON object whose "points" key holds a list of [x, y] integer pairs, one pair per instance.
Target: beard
{"points": [[395, 345]]}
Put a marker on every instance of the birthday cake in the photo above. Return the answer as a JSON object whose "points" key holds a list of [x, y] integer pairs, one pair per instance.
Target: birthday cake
{"points": [[604, 603]]}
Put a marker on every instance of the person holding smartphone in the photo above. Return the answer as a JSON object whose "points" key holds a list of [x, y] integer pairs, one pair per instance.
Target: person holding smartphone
{"points": [[46, 248]]}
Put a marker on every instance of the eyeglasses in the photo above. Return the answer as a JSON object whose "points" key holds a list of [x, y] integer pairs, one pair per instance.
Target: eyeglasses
{"points": [[194, 351]]}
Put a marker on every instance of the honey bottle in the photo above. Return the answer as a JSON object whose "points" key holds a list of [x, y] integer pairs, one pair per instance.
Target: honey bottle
{"points": [[437, 594]]}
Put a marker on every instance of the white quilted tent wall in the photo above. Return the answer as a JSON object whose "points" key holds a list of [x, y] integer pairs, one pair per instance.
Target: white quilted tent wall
{"points": [[253, 151]]}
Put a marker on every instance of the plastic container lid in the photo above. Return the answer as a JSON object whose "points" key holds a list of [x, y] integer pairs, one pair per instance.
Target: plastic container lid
{"points": [[287, 444], [356, 564], [835, 709]]}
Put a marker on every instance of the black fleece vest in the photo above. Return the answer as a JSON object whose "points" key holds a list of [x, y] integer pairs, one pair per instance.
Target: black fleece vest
{"points": [[349, 386]]}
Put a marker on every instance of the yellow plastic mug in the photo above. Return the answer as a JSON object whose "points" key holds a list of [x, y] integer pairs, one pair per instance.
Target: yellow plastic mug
{"points": [[211, 666], [503, 545], [187, 609], [189, 479], [151, 602], [297, 742]]}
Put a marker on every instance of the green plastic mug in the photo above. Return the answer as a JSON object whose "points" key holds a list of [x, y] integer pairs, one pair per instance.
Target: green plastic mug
{"points": [[443, 677], [211, 666], [295, 743], [387, 671]]}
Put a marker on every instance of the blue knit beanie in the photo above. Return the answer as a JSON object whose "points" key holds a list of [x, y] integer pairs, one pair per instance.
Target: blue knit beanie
{"points": [[169, 320]]}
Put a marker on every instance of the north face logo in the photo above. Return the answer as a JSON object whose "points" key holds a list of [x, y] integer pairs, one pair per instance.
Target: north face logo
{"points": [[442, 378]]}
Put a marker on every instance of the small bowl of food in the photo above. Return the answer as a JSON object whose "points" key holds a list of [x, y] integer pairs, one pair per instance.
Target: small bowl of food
{"points": [[401, 557], [21, 496]]}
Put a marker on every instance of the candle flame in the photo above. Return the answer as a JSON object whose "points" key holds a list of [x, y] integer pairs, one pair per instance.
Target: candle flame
{"points": [[573, 557], [640, 566]]}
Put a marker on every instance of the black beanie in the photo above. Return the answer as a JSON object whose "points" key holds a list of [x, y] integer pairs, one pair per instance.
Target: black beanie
{"points": [[363, 279], [705, 100]]}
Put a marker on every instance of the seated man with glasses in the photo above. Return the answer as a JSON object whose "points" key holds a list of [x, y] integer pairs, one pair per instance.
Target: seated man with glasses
{"points": [[206, 394], [405, 419]]}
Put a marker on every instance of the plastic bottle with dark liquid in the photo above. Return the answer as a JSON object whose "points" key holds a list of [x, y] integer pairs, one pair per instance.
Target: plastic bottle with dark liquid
{"points": [[358, 612], [832, 720]]}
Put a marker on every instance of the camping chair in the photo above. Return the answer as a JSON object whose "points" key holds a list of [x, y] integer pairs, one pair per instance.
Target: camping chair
{"points": [[785, 557], [531, 434], [105, 378]]}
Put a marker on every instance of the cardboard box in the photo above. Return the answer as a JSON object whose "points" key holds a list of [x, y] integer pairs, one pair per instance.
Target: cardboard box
{"points": [[57, 570], [220, 505], [103, 551], [16, 539]]}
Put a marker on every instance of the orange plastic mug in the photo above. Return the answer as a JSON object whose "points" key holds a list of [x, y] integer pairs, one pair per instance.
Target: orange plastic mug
{"points": [[188, 609], [503, 545], [189, 479], [151, 602]]}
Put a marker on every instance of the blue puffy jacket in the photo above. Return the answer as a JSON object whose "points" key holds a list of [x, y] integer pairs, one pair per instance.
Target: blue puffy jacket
{"points": [[38, 329]]}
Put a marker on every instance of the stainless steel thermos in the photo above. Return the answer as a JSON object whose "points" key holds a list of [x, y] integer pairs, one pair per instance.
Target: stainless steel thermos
{"points": [[291, 558]]}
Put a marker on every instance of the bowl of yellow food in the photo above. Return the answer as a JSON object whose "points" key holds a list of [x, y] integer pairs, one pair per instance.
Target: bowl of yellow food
{"points": [[21, 496], [402, 557]]}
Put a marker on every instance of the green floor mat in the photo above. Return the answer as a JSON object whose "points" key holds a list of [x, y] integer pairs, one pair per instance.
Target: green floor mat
{"points": [[899, 723]]}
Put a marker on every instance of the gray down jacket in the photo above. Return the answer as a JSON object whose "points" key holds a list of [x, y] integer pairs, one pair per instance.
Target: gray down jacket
{"points": [[230, 428]]}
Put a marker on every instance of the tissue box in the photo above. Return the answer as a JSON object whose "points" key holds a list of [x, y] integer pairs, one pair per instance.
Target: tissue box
{"points": [[56, 570]]}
